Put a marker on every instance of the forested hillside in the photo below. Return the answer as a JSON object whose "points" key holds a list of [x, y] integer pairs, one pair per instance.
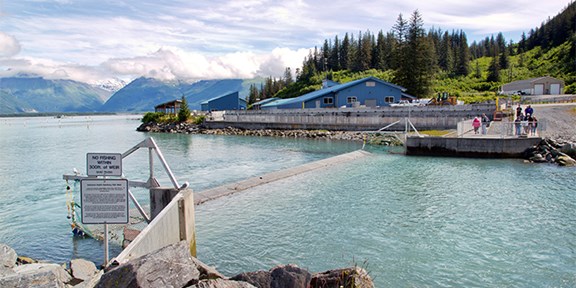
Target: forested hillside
{"points": [[427, 62]]}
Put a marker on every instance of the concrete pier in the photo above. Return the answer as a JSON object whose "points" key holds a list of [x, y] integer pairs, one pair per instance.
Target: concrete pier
{"points": [[229, 189], [478, 147]]}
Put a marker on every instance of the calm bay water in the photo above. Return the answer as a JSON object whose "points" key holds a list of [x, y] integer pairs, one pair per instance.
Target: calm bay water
{"points": [[410, 221]]}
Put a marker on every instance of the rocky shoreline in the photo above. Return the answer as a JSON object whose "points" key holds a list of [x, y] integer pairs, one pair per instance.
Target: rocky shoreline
{"points": [[171, 266], [561, 151], [384, 139]]}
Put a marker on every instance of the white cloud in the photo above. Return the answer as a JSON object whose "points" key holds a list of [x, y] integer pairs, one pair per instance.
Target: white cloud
{"points": [[85, 41], [9, 46]]}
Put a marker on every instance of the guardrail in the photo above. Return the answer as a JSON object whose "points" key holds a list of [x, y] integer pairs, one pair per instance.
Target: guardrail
{"points": [[503, 129]]}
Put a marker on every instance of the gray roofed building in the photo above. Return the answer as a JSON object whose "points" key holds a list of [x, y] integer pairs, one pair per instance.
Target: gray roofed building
{"points": [[535, 86]]}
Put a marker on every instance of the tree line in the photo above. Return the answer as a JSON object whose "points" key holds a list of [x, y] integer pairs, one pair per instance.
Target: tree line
{"points": [[417, 57]]}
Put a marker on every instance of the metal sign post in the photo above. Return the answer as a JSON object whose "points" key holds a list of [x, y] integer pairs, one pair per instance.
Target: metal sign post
{"points": [[104, 201]]}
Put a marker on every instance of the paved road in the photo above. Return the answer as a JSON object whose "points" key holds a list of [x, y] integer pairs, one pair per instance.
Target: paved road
{"points": [[560, 120]]}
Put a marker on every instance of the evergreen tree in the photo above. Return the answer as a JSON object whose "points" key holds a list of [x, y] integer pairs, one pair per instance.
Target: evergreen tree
{"points": [[445, 60], [399, 32], [478, 73], [494, 68], [334, 58], [379, 52], [325, 55], [345, 52], [504, 59], [463, 61], [288, 80], [252, 95], [184, 112], [420, 61]]}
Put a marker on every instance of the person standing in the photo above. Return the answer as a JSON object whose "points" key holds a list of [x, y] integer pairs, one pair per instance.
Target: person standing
{"points": [[534, 125], [518, 111], [529, 111], [485, 123], [476, 124], [518, 126]]}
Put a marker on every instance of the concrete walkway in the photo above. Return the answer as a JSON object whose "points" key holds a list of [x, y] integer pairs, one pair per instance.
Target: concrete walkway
{"points": [[229, 189], [497, 129]]}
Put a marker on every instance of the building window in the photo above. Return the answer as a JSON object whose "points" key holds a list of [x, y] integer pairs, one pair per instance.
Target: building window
{"points": [[328, 100], [351, 99], [389, 99], [370, 84]]}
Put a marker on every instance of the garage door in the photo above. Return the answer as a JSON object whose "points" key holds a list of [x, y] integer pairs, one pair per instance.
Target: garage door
{"points": [[538, 89], [554, 89]]}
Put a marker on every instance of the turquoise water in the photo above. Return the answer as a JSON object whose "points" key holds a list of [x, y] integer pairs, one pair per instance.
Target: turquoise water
{"points": [[410, 221]]}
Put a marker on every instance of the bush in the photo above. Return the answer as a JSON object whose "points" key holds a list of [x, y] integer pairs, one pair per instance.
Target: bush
{"points": [[152, 117], [198, 119]]}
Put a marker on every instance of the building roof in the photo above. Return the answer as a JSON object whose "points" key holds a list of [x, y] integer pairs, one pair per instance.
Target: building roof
{"points": [[220, 96], [515, 85], [169, 103], [330, 90], [262, 102]]}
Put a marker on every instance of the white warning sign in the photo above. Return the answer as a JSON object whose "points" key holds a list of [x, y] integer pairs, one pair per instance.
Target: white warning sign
{"points": [[104, 164], [104, 201]]}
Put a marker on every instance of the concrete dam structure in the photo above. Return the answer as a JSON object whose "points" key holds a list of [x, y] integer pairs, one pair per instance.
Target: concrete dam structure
{"points": [[349, 119]]}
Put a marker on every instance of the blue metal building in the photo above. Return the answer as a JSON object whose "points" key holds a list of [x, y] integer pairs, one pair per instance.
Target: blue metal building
{"points": [[230, 101], [369, 92]]}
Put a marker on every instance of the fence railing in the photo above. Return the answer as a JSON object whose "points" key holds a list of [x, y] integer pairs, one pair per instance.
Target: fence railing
{"points": [[503, 129]]}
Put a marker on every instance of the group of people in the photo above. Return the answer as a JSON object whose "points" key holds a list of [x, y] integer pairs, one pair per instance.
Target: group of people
{"points": [[481, 121], [525, 123]]}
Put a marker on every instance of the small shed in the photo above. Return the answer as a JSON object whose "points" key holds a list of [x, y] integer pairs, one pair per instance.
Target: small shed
{"points": [[535, 86], [171, 107], [230, 101]]}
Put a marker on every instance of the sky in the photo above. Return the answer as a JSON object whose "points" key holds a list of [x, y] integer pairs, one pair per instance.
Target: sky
{"points": [[97, 41]]}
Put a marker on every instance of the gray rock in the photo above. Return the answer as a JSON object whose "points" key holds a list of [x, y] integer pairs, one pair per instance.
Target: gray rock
{"points": [[171, 266], [222, 283], [92, 282], [82, 269], [7, 256], [261, 279], [538, 158], [348, 277], [282, 276], [41, 275], [565, 160], [285, 276], [207, 272], [569, 148]]}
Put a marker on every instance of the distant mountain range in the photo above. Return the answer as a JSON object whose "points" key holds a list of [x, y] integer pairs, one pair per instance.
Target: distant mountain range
{"points": [[38, 95]]}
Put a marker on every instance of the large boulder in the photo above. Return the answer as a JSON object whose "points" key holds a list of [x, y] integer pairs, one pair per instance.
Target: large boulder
{"points": [[353, 277], [42, 275], [260, 279], [8, 258], [171, 266], [83, 269], [565, 160], [207, 272], [282, 276], [569, 148]]}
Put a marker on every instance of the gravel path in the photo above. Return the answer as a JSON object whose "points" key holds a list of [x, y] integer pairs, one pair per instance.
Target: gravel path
{"points": [[560, 120]]}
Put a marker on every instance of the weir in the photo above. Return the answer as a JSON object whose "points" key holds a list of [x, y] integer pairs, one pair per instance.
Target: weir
{"points": [[172, 208], [230, 189]]}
